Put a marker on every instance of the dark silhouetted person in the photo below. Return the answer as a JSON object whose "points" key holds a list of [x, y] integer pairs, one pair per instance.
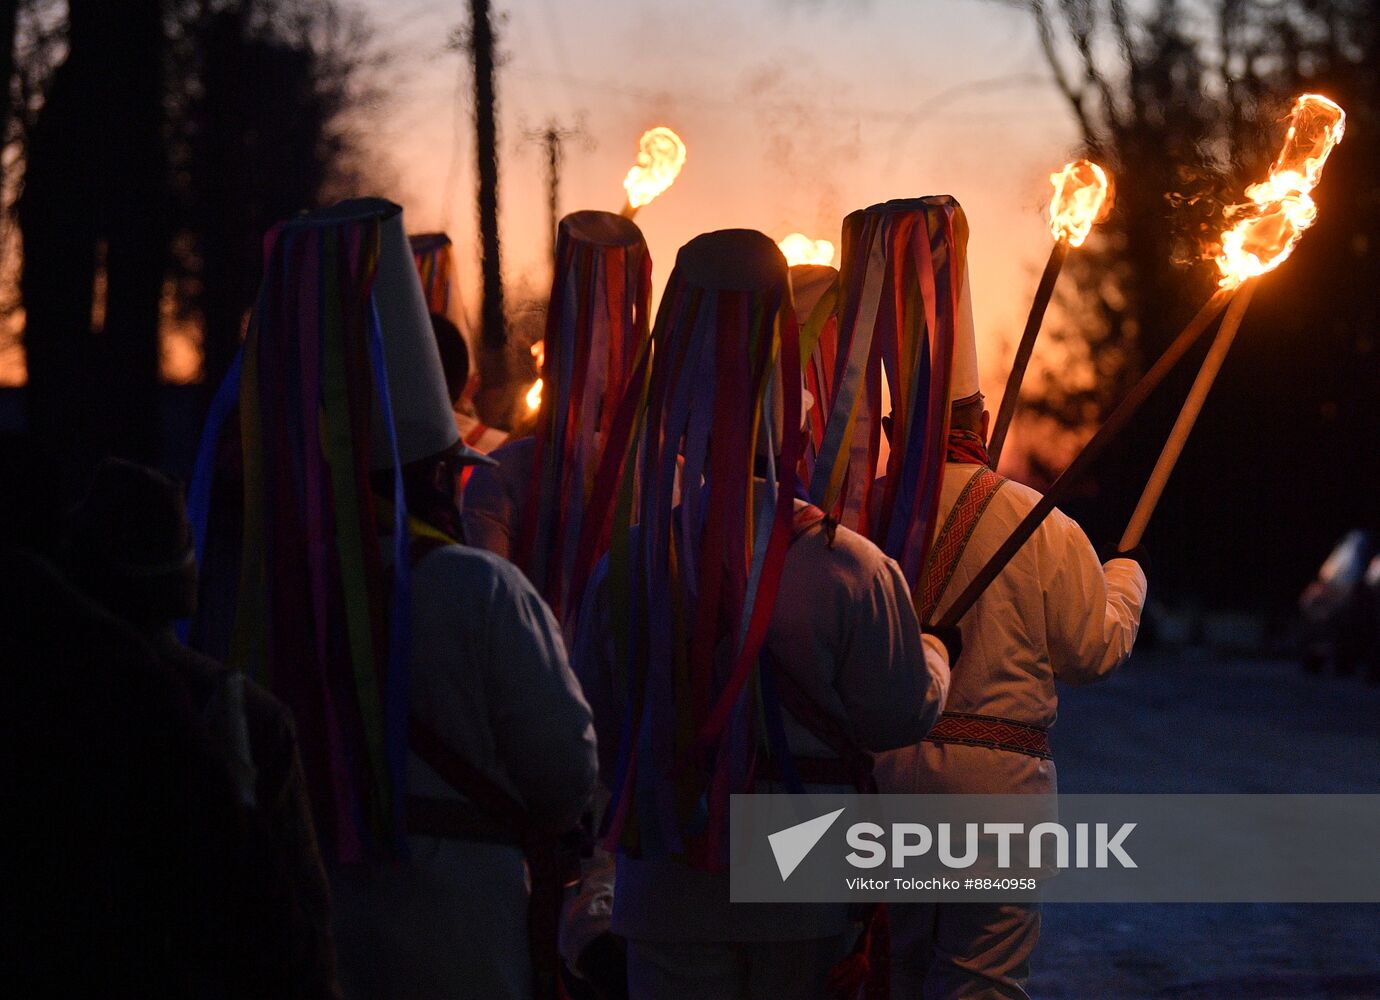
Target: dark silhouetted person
{"points": [[442, 731], [131, 868], [130, 549]]}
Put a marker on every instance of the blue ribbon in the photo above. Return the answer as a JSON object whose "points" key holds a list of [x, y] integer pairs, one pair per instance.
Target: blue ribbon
{"points": [[204, 469], [396, 686]]}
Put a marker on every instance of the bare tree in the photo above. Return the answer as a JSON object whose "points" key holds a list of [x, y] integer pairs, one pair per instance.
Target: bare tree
{"points": [[38, 47]]}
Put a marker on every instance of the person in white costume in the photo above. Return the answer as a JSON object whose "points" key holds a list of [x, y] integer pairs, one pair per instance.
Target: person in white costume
{"points": [[596, 324], [490, 693], [1055, 613], [842, 633]]}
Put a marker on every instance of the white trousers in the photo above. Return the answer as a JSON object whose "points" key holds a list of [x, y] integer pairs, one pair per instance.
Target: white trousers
{"points": [[962, 951], [735, 970]]}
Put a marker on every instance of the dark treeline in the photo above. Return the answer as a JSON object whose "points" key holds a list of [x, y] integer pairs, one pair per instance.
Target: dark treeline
{"points": [[156, 141]]}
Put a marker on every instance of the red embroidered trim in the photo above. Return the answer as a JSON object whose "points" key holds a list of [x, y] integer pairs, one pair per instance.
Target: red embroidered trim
{"points": [[953, 537], [990, 731]]}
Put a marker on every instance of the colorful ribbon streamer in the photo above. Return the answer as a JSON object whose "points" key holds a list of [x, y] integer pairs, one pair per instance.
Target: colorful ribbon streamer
{"points": [[319, 617], [819, 344], [596, 334], [900, 291], [432, 254], [697, 579]]}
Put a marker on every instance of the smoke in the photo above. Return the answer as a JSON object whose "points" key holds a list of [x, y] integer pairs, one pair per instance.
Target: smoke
{"points": [[1198, 206], [807, 148]]}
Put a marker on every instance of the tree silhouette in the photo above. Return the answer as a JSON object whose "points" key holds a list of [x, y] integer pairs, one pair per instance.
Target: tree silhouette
{"points": [[265, 132], [152, 160], [9, 18], [94, 220]]}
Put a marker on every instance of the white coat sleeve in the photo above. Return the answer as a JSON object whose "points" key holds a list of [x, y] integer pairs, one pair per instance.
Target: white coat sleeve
{"points": [[893, 681], [1092, 612], [542, 728]]}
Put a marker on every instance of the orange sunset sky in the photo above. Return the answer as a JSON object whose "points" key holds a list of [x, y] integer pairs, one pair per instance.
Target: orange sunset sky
{"points": [[795, 112]]}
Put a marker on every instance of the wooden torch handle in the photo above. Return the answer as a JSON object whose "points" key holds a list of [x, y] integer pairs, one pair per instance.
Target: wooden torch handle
{"points": [[1064, 485], [1033, 321], [1188, 416]]}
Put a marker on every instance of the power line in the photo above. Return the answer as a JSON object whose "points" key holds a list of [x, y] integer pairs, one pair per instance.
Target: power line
{"points": [[928, 105]]}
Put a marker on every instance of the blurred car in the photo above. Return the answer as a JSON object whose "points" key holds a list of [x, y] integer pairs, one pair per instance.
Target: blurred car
{"points": [[1341, 609]]}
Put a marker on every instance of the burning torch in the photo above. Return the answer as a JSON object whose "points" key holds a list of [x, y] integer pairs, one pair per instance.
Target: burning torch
{"points": [[660, 157], [533, 397], [1082, 198], [1268, 228], [798, 248]]}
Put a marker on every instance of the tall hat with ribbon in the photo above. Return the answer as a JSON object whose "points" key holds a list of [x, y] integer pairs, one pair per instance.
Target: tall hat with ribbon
{"points": [[905, 317], [431, 251], [596, 340], [338, 382], [815, 288], [697, 580]]}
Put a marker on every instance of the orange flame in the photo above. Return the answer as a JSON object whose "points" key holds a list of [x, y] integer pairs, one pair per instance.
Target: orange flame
{"points": [[1281, 209], [1315, 126], [660, 156], [800, 249], [1079, 202], [538, 351]]}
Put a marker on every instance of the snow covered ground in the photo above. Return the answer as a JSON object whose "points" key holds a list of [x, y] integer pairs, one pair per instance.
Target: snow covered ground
{"points": [[1192, 722]]}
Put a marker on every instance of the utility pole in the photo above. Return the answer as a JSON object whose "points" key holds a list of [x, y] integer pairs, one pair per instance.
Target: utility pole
{"points": [[481, 43], [552, 136]]}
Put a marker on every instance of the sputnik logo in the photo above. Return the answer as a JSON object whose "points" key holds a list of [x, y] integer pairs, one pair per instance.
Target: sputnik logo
{"points": [[791, 845]]}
